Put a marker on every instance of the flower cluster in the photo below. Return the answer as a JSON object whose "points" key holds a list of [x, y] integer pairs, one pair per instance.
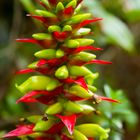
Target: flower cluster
{"points": [[62, 82]]}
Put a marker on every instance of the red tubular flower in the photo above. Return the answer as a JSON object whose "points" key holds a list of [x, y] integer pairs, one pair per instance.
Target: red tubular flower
{"points": [[69, 122]]}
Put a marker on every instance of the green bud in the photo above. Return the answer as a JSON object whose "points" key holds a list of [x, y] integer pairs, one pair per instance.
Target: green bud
{"points": [[54, 28], [73, 107], [79, 18], [77, 135], [79, 71], [60, 53], [72, 3], [92, 88], [43, 125], [80, 91], [45, 13], [91, 77], [85, 42], [42, 36], [72, 43], [59, 7], [84, 56], [83, 31], [87, 108], [47, 54], [34, 83], [94, 130], [34, 119], [67, 28], [54, 109], [62, 72], [52, 85]]}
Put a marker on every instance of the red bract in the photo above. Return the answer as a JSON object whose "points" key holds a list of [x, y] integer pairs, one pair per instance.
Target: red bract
{"points": [[69, 122], [83, 48], [27, 40], [99, 62], [60, 36], [29, 96], [25, 71], [20, 130], [68, 11], [40, 18], [42, 62], [86, 22], [56, 128], [81, 82], [105, 98]]}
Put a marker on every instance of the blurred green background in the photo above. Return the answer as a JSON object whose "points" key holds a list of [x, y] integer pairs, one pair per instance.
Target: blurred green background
{"points": [[118, 34]]}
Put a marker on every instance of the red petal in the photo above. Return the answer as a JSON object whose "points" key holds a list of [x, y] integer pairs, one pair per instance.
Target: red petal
{"points": [[60, 35], [42, 62], [68, 11], [86, 22], [49, 95], [106, 98], [25, 71], [68, 80], [81, 82], [20, 130], [40, 18], [74, 98], [54, 61], [29, 96], [45, 99], [69, 122], [82, 48], [45, 70], [56, 128], [29, 100], [27, 40], [99, 62]]}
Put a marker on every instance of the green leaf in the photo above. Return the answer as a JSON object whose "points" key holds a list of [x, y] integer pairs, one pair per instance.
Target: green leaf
{"points": [[132, 12], [118, 32], [115, 30]]}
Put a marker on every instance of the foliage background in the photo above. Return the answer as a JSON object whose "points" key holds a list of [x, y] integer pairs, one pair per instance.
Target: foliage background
{"points": [[118, 34]]}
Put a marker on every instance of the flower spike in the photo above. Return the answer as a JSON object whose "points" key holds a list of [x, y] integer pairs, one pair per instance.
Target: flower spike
{"points": [[60, 80]]}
